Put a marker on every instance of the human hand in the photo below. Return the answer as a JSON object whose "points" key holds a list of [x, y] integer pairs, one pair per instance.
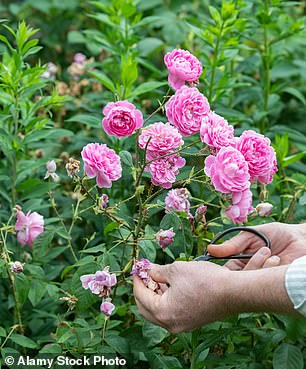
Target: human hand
{"points": [[287, 244], [190, 295], [196, 293]]}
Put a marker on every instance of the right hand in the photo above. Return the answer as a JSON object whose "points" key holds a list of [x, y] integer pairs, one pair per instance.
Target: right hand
{"points": [[288, 242]]}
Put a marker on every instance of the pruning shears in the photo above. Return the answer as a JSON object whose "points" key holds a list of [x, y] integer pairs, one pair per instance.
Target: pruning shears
{"points": [[207, 256]]}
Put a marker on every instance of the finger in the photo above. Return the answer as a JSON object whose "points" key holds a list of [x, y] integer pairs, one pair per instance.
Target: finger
{"points": [[258, 260], [160, 273], [236, 245], [163, 287], [234, 264], [144, 300], [272, 262]]}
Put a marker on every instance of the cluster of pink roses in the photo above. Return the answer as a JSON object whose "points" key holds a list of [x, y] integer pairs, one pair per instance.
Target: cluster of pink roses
{"points": [[100, 284]]}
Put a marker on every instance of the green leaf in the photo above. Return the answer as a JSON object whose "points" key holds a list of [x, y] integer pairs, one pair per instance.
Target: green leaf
{"points": [[287, 356], [22, 288], [102, 78], [215, 15], [37, 291], [148, 249], [23, 341], [63, 233], [95, 249], [302, 200], [126, 158], [153, 333], [293, 158], [296, 93], [111, 227], [147, 87], [88, 120]]}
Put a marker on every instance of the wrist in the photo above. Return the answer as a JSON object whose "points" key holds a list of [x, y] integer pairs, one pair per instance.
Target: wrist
{"points": [[261, 290]]}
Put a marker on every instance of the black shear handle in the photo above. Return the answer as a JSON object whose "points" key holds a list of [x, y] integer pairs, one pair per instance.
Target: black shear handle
{"points": [[207, 257]]}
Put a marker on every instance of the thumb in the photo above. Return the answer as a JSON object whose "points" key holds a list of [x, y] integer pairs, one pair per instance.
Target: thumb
{"points": [[235, 245], [160, 273]]}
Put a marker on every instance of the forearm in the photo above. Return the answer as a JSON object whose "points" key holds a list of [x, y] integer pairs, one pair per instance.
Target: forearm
{"points": [[260, 290]]}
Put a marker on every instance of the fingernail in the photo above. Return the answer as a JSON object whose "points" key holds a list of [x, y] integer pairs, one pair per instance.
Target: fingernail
{"points": [[264, 251], [275, 259]]}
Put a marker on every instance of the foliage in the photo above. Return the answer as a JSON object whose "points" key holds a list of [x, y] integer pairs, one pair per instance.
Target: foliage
{"points": [[253, 53]]}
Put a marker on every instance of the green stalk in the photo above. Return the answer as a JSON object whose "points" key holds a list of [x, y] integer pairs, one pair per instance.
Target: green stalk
{"points": [[266, 68]]}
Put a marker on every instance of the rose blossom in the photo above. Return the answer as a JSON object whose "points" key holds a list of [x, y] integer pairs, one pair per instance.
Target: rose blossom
{"points": [[29, 227], [259, 155], [107, 308], [242, 206], [164, 170], [264, 209], [200, 213], [228, 170], [216, 132], [177, 200], [164, 139], [141, 269], [102, 163], [165, 237], [99, 283], [104, 201], [183, 67], [186, 109], [121, 119]]}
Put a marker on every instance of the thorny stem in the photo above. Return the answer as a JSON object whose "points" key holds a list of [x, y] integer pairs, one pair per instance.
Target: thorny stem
{"points": [[159, 108], [12, 278]]}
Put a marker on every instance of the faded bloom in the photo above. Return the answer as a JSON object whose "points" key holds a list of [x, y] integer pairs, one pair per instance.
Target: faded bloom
{"points": [[99, 283], [50, 72], [163, 139], [178, 200], [51, 168], [216, 132], [102, 163], [121, 119], [61, 88], [72, 167], [141, 269], [165, 237], [259, 155], [104, 201], [183, 67], [241, 208], [29, 227], [16, 267], [264, 209], [164, 170], [186, 109], [228, 170], [200, 213], [79, 58], [107, 308]]}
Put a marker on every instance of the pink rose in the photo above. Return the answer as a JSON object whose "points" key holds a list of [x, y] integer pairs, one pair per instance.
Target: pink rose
{"points": [[178, 200], [121, 119], [102, 163], [141, 269], [165, 170], [164, 139], [107, 308], [186, 109], [165, 238], [242, 206], [183, 67], [99, 283], [228, 170], [29, 227], [259, 155], [216, 132]]}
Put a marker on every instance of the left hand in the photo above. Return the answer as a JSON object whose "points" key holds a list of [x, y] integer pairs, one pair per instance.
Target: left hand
{"points": [[194, 295]]}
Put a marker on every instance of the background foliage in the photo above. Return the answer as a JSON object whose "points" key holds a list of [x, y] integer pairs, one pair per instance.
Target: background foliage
{"points": [[253, 54]]}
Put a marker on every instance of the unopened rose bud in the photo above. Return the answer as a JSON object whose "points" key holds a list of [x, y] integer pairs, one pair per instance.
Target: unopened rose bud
{"points": [[51, 168], [264, 209], [165, 238], [27, 257], [79, 58], [16, 267], [200, 213], [107, 308], [104, 201]]}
